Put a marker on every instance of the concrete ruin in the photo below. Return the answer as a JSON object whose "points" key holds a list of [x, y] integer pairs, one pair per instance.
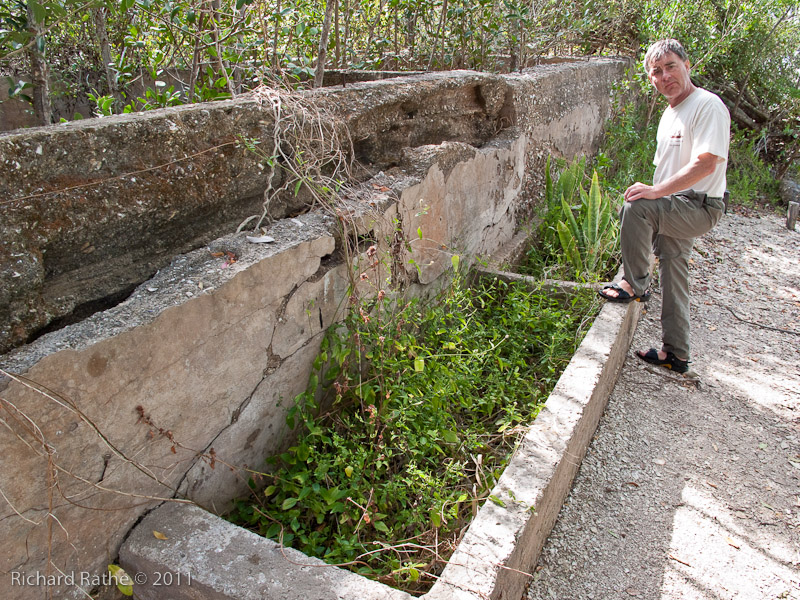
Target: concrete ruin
{"points": [[129, 307]]}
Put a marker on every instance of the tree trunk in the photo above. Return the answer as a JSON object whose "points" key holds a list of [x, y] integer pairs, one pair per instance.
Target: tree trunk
{"points": [[101, 31], [347, 17], [275, 62], [436, 35], [411, 32], [40, 78], [322, 54], [214, 31], [336, 33], [371, 31], [196, 58]]}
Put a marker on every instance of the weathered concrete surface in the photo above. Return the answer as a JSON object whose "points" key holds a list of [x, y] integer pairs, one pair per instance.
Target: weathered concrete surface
{"points": [[556, 107], [495, 556], [468, 197], [94, 207], [89, 209], [166, 389], [384, 117], [216, 560], [213, 350]]}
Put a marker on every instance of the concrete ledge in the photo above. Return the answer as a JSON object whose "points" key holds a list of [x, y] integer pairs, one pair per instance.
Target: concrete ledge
{"points": [[206, 557], [493, 560]]}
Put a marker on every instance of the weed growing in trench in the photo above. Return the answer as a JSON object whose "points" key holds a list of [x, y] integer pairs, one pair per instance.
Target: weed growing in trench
{"points": [[426, 400], [578, 238]]}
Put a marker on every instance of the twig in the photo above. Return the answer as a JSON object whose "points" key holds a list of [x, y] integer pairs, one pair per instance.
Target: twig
{"points": [[761, 324], [683, 562]]}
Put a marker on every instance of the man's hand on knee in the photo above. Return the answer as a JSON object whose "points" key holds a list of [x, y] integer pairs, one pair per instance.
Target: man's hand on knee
{"points": [[640, 190]]}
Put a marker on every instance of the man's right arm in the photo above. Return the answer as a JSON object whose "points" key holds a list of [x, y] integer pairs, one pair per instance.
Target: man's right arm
{"points": [[697, 169]]}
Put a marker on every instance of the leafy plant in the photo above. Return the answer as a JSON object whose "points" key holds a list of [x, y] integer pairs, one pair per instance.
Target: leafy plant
{"points": [[578, 237], [588, 236], [410, 416], [16, 89], [104, 104], [749, 177]]}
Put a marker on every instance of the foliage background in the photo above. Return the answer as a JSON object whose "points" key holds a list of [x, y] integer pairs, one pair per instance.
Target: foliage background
{"points": [[129, 55]]}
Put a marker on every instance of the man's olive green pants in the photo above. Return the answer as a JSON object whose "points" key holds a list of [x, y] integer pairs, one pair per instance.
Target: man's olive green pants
{"points": [[668, 225]]}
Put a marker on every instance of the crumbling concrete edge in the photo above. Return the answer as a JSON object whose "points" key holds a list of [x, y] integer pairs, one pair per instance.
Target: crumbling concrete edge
{"points": [[203, 554]]}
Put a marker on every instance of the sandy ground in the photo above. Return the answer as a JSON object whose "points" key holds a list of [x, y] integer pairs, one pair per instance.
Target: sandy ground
{"points": [[692, 490]]}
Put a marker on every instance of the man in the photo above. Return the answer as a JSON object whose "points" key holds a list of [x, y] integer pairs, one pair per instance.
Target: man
{"points": [[684, 202]]}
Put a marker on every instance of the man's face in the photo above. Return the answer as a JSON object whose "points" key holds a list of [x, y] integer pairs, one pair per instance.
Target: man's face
{"points": [[670, 76]]}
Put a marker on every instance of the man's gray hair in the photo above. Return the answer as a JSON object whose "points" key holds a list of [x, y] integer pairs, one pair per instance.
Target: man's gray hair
{"points": [[660, 49]]}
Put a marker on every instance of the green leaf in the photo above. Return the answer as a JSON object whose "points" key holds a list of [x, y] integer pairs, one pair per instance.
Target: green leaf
{"points": [[548, 184], [122, 579], [303, 452], [455, 260], [569, 217], [569, 247], [592, 218], [419, 232], [39, 11], [497, 501], [419, 364], [381, 526], [289, 503], [451, 437]]}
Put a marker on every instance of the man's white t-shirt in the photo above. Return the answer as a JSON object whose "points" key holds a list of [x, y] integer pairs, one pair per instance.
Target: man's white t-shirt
{"points": [[699, 124]]}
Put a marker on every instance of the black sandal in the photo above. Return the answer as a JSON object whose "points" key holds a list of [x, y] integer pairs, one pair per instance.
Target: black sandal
{"points": [[670, 362], [623, 296]]}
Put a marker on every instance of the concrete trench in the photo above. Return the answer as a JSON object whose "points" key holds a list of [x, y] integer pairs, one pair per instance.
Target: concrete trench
{"points": [[179, 389], [205, 556]]}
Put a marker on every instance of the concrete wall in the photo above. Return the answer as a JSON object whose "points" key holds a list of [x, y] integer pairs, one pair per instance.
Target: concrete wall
{"points": [[181, 390]]}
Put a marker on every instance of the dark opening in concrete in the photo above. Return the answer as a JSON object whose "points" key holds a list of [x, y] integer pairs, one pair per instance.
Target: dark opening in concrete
{"points": [[85, 310]]}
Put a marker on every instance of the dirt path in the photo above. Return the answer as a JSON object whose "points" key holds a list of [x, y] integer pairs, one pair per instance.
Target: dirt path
{"points": [[693, 492]]}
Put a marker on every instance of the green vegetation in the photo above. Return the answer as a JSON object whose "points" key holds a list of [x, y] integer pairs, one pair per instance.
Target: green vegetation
{"points": [[750, 180], [141, 54], [135, 55], [578, 237], [425, 404]]}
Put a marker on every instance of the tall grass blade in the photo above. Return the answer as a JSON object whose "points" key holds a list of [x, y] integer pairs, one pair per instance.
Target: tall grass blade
{"points": [[568, 245], [593, 212], [569, 217]]}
